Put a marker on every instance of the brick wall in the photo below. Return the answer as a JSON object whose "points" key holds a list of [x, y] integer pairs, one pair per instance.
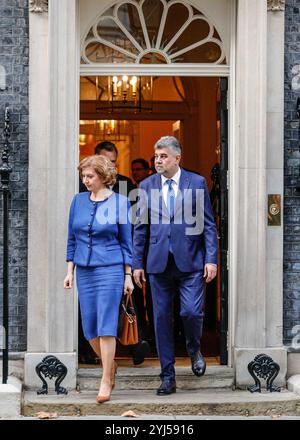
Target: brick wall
{"points": [[291, 277], [14, 49]]}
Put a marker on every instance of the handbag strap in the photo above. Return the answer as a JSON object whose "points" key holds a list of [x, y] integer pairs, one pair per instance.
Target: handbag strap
{"points": [[129, 301], [131, 318]]}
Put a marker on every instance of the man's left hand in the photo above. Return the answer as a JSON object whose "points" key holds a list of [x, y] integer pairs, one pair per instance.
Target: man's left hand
{"points": [[210, 271]]}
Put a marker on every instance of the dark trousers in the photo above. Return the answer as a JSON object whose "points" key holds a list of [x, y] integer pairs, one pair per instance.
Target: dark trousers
{"points": [[140, 310], [190, 286], [144, 311]]}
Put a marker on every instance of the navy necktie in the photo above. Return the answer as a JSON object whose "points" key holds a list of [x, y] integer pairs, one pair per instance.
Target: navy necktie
{"points": [[170, 198]]}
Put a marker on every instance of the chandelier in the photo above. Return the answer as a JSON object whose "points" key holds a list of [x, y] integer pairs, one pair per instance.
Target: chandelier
{"points": [[103, 129], [107, 129], [132, 93]]}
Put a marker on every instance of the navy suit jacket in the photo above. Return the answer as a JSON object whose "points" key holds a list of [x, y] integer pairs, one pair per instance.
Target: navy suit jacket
{"points": [[193, 241]]}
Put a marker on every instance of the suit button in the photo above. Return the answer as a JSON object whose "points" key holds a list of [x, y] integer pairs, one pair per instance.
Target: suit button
{"points": [[89, 235], [89, 224], [89, 245], [92, 212]]}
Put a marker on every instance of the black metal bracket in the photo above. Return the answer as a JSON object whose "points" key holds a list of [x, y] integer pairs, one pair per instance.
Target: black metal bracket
{"points": [[51, 367], [264, 367]]}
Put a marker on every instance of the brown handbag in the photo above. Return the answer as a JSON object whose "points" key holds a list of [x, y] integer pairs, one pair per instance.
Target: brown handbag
{"points": [[127, 326]]}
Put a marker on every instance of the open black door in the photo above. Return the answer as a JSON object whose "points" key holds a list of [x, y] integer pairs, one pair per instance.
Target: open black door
{"points": [[223, 226]]}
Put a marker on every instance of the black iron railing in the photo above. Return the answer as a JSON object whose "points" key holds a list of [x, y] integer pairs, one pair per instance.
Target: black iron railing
{"points": [[5, 171]]}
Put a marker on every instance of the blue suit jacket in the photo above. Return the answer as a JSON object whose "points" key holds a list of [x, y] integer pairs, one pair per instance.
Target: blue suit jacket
{"points": [[154, 232], [100, 233]]}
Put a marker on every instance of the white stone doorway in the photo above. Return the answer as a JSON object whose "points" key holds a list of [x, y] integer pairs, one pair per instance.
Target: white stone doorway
{"points": [[255, 275]]}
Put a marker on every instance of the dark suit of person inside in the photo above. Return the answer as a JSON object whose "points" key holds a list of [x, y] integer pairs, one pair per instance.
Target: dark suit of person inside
{"points": [[140, 170], [122, 186]]}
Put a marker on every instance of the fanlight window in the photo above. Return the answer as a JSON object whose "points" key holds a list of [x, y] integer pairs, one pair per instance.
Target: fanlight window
{"points": [[153, 32]]}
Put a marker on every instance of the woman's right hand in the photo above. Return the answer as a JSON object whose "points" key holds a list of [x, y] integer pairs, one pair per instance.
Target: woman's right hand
{"points": [[68, 281]]}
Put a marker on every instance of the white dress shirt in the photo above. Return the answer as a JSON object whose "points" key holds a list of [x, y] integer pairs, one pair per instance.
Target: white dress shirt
{"points": [[165, 186]]}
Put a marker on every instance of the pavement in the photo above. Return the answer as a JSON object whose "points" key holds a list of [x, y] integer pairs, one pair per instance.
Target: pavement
{"points": [[156, 417]]}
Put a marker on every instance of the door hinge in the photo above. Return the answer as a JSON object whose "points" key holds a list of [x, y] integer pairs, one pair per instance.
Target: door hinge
{"points": [[228, 260], [227, 179]]}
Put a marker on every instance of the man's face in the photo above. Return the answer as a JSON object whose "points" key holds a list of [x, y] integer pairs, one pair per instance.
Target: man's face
{"points": [[111, 155], [166, 161], [139, 173]]}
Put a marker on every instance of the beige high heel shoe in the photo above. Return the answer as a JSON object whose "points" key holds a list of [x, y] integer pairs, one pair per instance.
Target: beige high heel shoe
{"points": [[105, 398], [101, 398]]}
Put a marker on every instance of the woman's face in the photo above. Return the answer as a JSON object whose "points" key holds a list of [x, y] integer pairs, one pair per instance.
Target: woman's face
{"points": [[91, 180]]}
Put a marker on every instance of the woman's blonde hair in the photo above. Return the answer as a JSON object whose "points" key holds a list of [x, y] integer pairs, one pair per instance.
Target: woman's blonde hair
{"points": [[102, 166]]}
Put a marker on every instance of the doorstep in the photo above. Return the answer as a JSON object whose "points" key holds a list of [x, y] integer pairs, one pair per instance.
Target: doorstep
{"points": [[194, 402], [144, 377]]}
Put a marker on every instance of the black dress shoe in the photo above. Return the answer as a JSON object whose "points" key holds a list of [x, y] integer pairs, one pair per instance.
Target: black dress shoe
{"points": [[141, 351], [88, 359], [167, 387], [137, 360], [198, 364]]}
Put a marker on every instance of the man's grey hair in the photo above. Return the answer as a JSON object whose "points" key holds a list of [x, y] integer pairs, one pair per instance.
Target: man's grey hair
{"points": [[169, 142]]}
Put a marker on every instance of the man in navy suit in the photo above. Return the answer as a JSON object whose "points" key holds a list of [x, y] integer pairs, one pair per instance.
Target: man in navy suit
{"points": [[175, 241]]}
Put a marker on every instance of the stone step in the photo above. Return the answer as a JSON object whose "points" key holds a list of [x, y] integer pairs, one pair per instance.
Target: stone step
{"points": [[194, 402], [147, 378]]}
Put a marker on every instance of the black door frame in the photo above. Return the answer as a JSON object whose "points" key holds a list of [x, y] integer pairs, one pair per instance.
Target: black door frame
{"points": [[223, 271]]}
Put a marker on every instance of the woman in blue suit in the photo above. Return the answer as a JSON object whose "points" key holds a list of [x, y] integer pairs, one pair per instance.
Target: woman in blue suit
{"points": [[100, 246]]}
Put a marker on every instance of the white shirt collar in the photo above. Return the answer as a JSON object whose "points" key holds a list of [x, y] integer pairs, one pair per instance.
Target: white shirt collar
{"points": [[175, 178]]}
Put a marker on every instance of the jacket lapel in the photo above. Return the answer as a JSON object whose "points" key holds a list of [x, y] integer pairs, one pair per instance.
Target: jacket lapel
{"points": [[158, 186], [184, 183], [163, 207]]}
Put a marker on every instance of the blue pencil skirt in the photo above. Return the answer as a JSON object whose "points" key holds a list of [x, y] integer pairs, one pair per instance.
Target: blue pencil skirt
{"points": [[100, 291]]}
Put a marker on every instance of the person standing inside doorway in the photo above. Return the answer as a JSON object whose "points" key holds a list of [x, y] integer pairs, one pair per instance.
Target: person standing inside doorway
{"points": [[123, 184], [140, 170], [179, 230]]}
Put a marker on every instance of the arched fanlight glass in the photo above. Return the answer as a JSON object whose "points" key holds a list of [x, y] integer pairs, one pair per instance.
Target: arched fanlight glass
{"points": [[152, 32]]}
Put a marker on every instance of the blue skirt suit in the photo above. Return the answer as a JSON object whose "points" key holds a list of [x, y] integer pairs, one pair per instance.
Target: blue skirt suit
{"points": [[99, 244]]}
